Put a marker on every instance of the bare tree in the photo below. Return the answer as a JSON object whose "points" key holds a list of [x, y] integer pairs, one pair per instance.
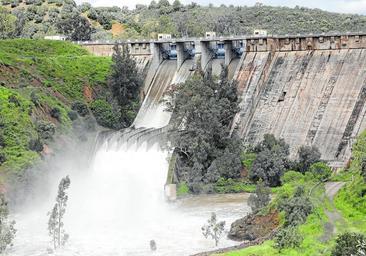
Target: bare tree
{"points": [[55, 222], [213, 229]]}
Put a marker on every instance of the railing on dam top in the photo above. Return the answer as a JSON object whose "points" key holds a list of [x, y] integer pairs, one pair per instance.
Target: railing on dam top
{"points": [[219, 38]]}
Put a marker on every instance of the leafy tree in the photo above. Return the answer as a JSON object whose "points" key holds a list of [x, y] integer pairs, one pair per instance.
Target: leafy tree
{"points": [[307, 156], [55, 222], [288, 237], [260, 198], [296, 208], [7, 230], [80, 107], [271, 161], [321, 171], [76, 27], [350, 244], [213, 229], [203, 108], [177, 5], [7, 23], [125, 81]]}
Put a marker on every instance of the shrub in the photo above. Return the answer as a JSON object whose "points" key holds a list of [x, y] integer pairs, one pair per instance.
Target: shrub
{"points": [[292, 176], [2, 141], [307, 156], [35, 145], [46, 130], [350, 244], [2, 158], [297, 208], [363, 169], [288, 237], [81, 108], [321, 171], [13, 99], [56, 113], [260, 198], [73, 115], [35, 99], [104, 114]]}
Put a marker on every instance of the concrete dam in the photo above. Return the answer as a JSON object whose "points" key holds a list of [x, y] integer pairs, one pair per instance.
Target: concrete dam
{"points": [[307, 89]]}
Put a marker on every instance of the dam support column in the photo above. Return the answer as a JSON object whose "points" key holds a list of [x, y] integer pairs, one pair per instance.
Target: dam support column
{"points": [[182, 54], [157, 59], [229, 54], [205, 54]]}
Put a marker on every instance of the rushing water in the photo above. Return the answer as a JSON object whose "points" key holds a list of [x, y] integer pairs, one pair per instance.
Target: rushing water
{"points": [[117, 205]]}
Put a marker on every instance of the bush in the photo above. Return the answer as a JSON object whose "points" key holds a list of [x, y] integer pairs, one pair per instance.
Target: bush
{"points": [[56, 113], [2, 158], [307, 156], [2, 141], [350, 244], [288, 238], [291, 177], [260, 198], [321, 171], [81, 108], [271, 161], [297, 208], [35, 145], [73, 115], [35, 99], [13, 99], [46, 130], [104, 114]]}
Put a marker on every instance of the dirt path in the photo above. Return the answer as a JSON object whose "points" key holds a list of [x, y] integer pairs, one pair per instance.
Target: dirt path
{"points": [[331, 189]]}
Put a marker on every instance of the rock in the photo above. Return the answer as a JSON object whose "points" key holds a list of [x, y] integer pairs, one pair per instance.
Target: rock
{"points": [[252, 227]]}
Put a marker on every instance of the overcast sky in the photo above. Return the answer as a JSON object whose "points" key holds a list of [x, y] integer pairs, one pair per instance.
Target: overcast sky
{"points": [[344, 6]]}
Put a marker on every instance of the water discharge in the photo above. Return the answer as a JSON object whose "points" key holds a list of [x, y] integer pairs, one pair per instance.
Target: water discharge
{"points": [[117, 205]]}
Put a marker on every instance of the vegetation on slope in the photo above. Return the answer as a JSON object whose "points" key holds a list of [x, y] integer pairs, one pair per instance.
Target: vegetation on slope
{"points": [[37, 18], [42, 86]]}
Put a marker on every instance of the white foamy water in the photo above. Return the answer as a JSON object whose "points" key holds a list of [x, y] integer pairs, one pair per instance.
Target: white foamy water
{"points": [[117, 205]]}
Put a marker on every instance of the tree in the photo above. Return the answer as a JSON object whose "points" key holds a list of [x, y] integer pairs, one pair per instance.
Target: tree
{"points": [[307, 156], [55, 222], [76, 27], [177, 5], [350, 244], [271, 161], [7, 23], [321, 171], [7, 230], [213, 229], [202, 109], [125, 82], [260, 198]]}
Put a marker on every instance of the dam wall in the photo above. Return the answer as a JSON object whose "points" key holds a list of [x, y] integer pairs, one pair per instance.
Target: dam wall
{"points": [[306, 89]]}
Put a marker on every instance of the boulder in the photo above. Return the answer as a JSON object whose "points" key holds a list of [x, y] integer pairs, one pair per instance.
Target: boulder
{"points": [[253, 226]]}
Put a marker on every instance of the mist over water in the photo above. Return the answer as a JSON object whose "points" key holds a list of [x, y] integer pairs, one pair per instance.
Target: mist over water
{"points": [[117, 205]]}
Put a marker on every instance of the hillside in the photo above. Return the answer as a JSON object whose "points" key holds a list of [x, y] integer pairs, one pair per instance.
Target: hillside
{"points": [[44, 89], [37, 18]]}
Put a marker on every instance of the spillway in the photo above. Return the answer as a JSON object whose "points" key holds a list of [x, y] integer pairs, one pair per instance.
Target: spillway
{"points": [[117, 204]]}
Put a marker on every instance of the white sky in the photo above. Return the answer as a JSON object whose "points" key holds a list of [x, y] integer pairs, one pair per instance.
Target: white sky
{"points": [[344, 6]]}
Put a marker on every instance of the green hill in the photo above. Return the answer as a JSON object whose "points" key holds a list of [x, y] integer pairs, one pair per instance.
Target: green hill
{"points": [[40, 82]]}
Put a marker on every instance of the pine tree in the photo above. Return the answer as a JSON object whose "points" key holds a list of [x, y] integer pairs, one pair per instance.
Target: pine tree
{"points": [[125, 82], [55, 221], [7, 230]]}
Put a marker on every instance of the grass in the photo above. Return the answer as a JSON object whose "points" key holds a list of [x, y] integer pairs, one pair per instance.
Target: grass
{"points": [[59, 73], [16, 131], [311, 230]]}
